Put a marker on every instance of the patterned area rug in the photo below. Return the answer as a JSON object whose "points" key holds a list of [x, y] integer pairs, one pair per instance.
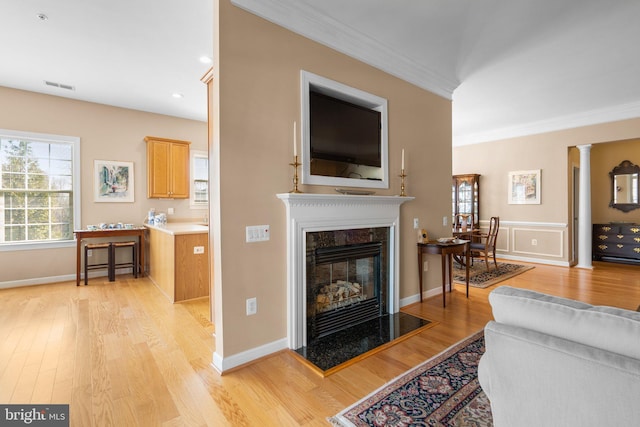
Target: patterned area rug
{"points": [[443, 391], [479, 277]]}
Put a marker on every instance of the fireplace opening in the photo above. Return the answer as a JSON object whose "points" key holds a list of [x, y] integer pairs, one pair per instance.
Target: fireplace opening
{"points": [[345, 289], [346, 281]]}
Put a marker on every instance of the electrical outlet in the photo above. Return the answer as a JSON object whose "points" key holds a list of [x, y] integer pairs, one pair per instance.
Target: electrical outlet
{"points": [[425, 266], [198, 249], [416, 223], [252, 306], [534, 242], [445, 220], [89, 252], [169, 211]]}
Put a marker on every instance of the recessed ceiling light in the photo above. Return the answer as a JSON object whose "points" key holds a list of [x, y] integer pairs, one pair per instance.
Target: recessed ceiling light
{"points": [[205, 59], [178, 95], [42, 16]]}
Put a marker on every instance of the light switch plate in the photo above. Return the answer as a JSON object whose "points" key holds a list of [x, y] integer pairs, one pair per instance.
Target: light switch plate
{"points": [[252, 306], [257, 233]]}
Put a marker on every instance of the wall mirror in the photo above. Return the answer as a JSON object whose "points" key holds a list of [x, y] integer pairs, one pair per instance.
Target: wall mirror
{"points": [[344, 135], [625, 194]]}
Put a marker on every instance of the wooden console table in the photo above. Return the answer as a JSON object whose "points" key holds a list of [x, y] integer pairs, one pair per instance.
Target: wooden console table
{"points": [[447, 251], [105, 234]]}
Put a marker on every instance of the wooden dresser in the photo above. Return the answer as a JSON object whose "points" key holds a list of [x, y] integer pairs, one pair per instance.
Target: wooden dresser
{"points": [[616, 243]]}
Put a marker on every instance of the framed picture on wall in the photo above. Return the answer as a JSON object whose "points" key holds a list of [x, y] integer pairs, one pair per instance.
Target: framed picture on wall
{"points": [[524, 187], [113, 181]]}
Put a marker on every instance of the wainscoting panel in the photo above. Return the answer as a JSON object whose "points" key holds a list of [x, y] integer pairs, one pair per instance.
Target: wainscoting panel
{"points": [[548, 243], [531, 241]]}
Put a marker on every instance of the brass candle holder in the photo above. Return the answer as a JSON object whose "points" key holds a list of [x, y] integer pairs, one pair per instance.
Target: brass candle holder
{"points": [[402, 176], [295, 165]]}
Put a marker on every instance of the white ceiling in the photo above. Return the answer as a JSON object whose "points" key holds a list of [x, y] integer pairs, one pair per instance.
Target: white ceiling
{"points": [[511, 67], [127, 53]]}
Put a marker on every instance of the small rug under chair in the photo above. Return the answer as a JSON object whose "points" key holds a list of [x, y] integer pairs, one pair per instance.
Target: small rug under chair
{"points": [[443, 391], [479, 277]]}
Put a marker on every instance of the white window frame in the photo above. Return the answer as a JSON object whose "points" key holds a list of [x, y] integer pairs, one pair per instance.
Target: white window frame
{"points": [[192, 191], [75, 146]]}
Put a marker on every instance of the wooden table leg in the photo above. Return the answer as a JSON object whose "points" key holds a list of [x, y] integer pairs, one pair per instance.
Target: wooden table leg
{"points": [[78, 260], [467, 250], [420, 270], [141, 252], [450, 259], [444, 278]]}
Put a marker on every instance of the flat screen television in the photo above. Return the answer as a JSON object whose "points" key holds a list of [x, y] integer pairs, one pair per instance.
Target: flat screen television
{"points": [[344, 132]]}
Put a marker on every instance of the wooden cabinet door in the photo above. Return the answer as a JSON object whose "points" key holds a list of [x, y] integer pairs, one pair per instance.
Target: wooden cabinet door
{"points": [[167, 168], [179, 171], [158, 155]]}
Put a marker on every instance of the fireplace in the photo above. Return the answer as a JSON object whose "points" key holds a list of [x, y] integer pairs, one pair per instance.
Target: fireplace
{"points": [[346, 278], [338, 220]]}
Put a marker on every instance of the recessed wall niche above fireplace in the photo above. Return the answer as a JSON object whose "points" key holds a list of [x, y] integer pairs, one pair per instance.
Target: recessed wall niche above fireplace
{"points": [[344, 134], [351, 215]]}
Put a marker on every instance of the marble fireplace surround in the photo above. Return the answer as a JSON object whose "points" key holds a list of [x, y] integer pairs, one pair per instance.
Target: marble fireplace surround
{"points": [[325, 212]]}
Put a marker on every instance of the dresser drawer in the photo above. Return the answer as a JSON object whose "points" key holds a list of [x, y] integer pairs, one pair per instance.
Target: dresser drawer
{"points": [[606, 229], [632, 230], [627, 250], [616, 238]]}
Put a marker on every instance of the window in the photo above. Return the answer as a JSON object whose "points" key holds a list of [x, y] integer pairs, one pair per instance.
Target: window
{"points": [[39, 189], [199, 179]]}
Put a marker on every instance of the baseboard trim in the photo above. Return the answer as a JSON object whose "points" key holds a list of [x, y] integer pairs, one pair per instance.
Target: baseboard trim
{"points": [[37, 281], [534, 260], [223, 364], [416, 297], [56, 279]]}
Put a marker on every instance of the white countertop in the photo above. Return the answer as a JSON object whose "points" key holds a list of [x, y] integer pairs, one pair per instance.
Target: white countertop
{"points": [[176, 228]]}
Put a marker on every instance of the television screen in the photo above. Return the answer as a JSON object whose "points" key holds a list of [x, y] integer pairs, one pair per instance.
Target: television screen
{"points": [[344, 132]]}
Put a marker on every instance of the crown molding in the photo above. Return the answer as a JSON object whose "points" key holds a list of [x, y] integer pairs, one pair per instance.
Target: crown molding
{"points": [[570, 121], [309, 22]]}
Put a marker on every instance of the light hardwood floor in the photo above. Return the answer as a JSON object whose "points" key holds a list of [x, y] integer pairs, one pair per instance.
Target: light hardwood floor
{"points": [[121, 355]]}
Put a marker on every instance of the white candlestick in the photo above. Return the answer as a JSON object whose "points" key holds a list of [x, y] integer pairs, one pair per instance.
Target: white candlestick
{"points": [[295, 145], [403, 159]]}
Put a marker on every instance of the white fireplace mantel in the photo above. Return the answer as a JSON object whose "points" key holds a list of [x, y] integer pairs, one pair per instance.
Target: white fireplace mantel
{"points": [[324, 212]]}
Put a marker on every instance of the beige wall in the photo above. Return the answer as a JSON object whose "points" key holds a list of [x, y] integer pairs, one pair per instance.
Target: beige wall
{"points": [[549, 223], [258, 90], [106, 133]]}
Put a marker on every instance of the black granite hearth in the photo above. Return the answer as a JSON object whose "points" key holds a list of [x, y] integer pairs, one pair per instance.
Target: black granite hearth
{"points": [[332, 350]]}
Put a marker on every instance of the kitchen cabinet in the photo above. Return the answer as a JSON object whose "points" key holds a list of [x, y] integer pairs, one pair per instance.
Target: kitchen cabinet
{"points": [[179, 260], [167, 168]]}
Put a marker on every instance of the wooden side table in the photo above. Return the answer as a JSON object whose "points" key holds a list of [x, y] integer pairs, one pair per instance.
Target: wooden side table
{"points": [[447, 251]]}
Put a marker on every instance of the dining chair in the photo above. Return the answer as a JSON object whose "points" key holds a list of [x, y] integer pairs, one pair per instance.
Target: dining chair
{"points": [[487, 246], [462, 219]]}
